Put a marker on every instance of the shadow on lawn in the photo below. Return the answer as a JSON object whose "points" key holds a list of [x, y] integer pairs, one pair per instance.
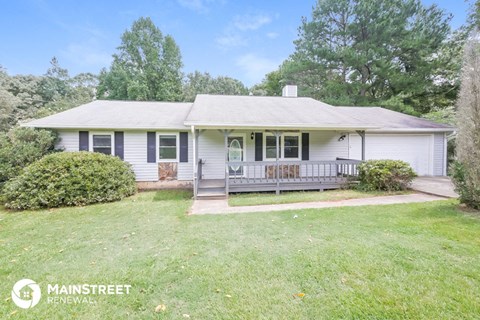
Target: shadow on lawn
{"points": [[172, 195]]}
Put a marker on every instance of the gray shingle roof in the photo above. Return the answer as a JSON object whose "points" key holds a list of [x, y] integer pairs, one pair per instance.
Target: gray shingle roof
{"points": [[216, 111], [107, 114], [269, 112], [391, 120]]}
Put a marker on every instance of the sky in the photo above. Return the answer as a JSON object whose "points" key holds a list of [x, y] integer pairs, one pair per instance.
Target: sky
{"points": [[240, 39]]}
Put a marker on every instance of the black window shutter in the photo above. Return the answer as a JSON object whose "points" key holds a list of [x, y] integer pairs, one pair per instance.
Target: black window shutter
{"points": [[305, 146], [258, 146], [151, 147], [183, 146], [83, 140], [119, 144]]}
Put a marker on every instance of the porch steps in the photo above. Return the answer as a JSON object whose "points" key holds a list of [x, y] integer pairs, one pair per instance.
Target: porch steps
{"points": [[211, 190]]}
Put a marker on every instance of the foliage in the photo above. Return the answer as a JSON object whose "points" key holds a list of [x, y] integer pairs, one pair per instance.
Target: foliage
{"points": [[23, 97], [70, 179], [467, 171], [474, 16], [204, 83], [8, 102], [445, 115], [469, 194], [389, 175], [271, 85], [146, 67], [359, 52], [20, 147]]}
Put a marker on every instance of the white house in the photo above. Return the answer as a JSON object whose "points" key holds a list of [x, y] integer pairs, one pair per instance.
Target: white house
{"points": [[220, 144]]}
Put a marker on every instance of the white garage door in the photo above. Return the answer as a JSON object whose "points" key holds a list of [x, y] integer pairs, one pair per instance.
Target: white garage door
{"points": [[414, 149]]}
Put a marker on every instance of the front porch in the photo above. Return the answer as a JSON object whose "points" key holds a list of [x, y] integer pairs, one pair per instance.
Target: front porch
{"points": [[226, 161], [259, 176]]}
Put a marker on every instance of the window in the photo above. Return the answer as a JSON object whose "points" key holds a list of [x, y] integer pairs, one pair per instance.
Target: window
{"points": [[167, 147], [102, 143], [289, 146], [290, 149], [270, 147]]}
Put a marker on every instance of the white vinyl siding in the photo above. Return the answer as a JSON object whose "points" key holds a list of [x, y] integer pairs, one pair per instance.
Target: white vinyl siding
{"points": [[211, 150], [439, 159], [135, 152], [68, 140], [185, 169], [324, 145]]}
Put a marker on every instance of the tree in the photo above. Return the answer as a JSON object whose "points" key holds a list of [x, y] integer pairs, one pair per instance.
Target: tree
{"points": [[467, 169], [61, 92], [146, 67], [55, 83], [204, 83], [271, 85], [25, 97], [8, 103], [474, 16], [360, 52]]}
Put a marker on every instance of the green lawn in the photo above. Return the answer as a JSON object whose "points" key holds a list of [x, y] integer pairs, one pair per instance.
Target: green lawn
{"points": [[384, 262], [253, 199]]}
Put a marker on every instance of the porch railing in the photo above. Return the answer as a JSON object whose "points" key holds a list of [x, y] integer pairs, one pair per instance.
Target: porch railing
{"points": [[289, 175]]}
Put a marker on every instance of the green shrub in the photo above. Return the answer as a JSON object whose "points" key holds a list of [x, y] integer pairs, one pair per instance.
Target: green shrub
{"points": [[468, 191], [70, 179], [20, 147], [389, 175]]}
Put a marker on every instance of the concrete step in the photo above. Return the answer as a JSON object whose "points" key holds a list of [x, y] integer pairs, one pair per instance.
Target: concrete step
{"points": [[211, 197], [211, 193]]}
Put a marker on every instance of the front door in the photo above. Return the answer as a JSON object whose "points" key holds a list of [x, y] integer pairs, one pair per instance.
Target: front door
{"points": [[236, 152]]}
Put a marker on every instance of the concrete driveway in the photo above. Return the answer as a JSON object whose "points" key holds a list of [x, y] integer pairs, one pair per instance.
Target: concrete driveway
{"points": [[439, 186]]}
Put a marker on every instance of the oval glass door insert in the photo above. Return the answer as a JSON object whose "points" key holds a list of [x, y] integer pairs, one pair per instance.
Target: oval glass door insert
{"points": [[235, 153]]}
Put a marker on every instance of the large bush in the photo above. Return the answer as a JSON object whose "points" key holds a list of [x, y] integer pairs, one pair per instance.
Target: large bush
{"points": [[70, 179], [389, 175], [20, 147], [469, 192]]}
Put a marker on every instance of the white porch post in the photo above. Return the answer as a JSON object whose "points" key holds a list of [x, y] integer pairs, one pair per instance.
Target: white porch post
{"points": [[277, 154], [195, 161], [361, 133]]}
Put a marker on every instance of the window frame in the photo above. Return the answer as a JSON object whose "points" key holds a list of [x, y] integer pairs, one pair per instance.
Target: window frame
{"points": [[282, 146], [177, 146], [101, 133], [299, 136]]}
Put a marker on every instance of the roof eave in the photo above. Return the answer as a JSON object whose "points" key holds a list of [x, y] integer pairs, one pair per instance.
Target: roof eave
{"points": [[71, 127], [263, 126], [406, 130]]}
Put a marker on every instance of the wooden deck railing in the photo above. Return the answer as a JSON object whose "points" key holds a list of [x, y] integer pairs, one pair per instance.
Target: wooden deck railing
{"points": [[289, 175]]}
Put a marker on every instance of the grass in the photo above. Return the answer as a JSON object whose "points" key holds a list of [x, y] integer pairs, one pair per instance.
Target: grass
{"points": [[411, 261], [253, 199]]}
